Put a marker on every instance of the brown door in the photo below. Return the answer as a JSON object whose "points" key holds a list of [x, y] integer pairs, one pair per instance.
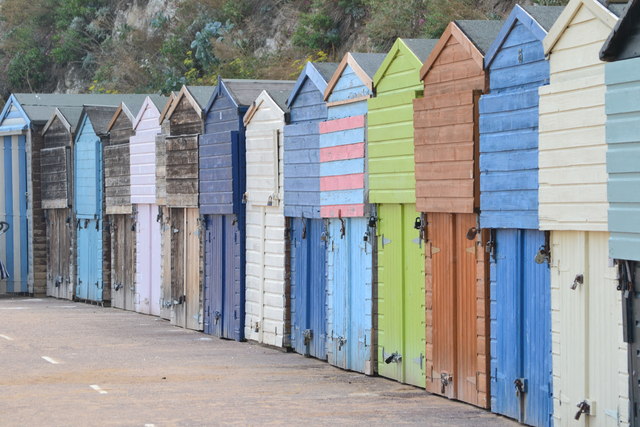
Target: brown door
{"points": [[457, 295]]}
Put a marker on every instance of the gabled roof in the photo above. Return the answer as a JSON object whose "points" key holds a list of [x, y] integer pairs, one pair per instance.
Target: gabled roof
{"points": [[100, 117], [197, 96], [131, 107], [364, 65], [608, 15], [243, 92], [419, 49], [68, 116], [167, 106], [625, 36], [155, 102], [477, 36], [318, 72], [537, 19], [279, 98]]}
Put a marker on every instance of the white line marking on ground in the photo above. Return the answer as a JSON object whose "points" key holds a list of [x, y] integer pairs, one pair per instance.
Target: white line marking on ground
{"points": [[13, 308], [66, 306], [50, 360], [30, 300], [149, 425], [8, 338], [98, 389]]}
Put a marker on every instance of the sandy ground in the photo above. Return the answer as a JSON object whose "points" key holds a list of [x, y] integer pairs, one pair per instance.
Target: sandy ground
{"points": [[65, 364]]}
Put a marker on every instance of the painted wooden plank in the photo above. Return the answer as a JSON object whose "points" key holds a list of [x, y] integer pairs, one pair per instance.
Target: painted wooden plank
{"points": [[342, 182], [336, 125]]}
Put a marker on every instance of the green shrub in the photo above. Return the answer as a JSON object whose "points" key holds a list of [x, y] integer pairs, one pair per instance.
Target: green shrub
{"points": [[316, 30]]}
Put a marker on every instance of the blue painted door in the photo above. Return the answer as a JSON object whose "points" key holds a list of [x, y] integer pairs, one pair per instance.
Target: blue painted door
{"points": [[88, 205], [349, 278], [13, 210], [308, 292], [521, 328], [89, 260], [224, 268]]}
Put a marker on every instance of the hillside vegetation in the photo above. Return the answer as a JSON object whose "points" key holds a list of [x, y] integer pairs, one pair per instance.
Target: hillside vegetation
{"points": [[158, 45]]}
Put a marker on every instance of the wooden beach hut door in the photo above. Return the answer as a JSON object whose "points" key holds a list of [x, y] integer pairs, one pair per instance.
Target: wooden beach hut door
{"points": [[59, 243], [185, 268], [13, 210], [349, 266], [88, 195], [308, 293], [147, 258], [401, 324], [457, 307], [521, 327], [123, 290], [587, 328], [223, 298]]}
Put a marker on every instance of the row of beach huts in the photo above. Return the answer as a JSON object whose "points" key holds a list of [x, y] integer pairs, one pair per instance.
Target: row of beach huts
{"points": [[460, 214]]}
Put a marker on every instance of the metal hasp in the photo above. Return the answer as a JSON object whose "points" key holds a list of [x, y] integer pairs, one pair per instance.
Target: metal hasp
{"points": [[583, 408], [445, 380], [578, 280]]}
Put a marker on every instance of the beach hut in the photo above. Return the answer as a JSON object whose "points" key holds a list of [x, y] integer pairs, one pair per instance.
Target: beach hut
{"points": [[400, 260], [93, 257], [222, 157], [306, 229], [448, 192], [57, 200], [343, 202], [164, 217], [178, 187], [117, 199], [622, 105], [267, 292], [520, 289], [590, 373], [146, 126]]}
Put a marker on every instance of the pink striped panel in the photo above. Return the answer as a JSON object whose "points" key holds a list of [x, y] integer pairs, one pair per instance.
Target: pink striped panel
{"points": [[342, 182], [337, 125], [342, 152], [342, 210]]}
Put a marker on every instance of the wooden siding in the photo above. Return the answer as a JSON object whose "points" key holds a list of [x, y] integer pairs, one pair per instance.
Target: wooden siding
{"points": [[36, 227], [181, 147], [302, 152], [390, 131], [143, 156], [221, 147], [266, 288], [446, 130], [457, 309], [343, 149], [572, 160], [161, 164], [182, 170], [623, 153], [509, 132], [589, 355], [117, 172], [56, 167]]}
